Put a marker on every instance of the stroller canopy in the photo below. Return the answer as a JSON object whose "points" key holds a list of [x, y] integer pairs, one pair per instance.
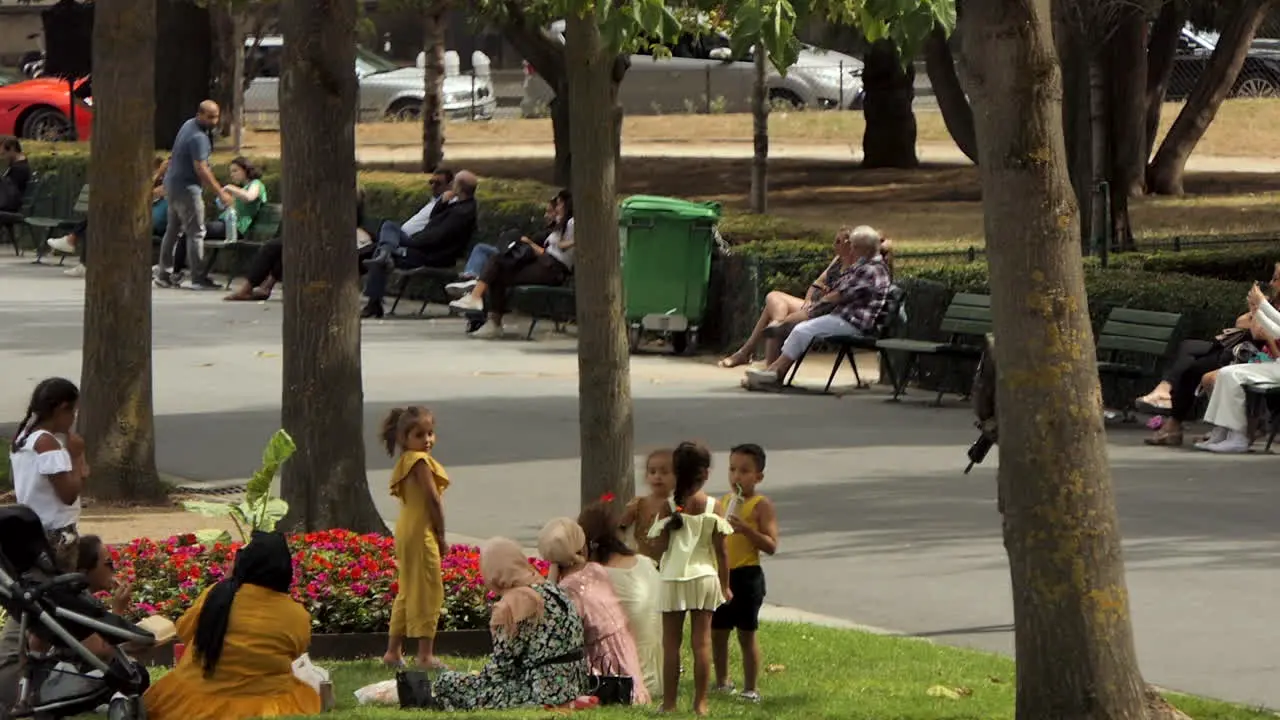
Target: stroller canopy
{"points": [[23, 543]]}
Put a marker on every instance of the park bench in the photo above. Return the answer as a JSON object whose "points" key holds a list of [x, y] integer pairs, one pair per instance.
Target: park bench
{"points": [[429, 281], [43, 228], [966, 322], [1131, 347], [887, 323], [31, 199], [556, 304], [1262, 403], [265, 227]]}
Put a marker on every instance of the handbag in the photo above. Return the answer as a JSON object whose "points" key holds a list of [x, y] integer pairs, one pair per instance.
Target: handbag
{"points": [[413, 688], [610, 688], [1237, 345]]}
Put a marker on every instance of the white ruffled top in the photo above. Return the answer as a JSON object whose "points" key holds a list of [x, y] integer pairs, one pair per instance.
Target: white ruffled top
{"points": [[31, 484], [690, 554]]}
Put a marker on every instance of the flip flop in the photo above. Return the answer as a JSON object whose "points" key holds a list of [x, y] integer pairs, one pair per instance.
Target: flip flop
{"points": [[731, 362]]}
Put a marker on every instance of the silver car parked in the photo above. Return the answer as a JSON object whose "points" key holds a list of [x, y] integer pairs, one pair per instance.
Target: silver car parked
{"points": [[386, 89], [702, 75]]}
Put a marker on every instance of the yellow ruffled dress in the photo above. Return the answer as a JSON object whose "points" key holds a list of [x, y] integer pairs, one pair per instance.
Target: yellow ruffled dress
{"points": [[420, 598], [690, 575], [254, 677]]}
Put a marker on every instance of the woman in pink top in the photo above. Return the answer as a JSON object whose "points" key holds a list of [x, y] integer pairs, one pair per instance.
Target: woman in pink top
{"points": [[610, 648]]}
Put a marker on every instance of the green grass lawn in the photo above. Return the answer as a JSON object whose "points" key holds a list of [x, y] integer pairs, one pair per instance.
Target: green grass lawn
{"points": [[822, 673]]}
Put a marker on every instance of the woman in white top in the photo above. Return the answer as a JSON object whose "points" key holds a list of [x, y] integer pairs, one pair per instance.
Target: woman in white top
{"points": [[551, 264], [46, 476], [1226, 411], [635, 581]]}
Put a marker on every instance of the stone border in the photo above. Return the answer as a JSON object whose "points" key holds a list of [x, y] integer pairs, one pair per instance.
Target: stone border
{"points": [[356, 646]]}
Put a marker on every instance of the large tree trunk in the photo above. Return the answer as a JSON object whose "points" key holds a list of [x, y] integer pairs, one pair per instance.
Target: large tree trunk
{"points": [[1073, 638], [222, 37], [1126, 65], [604, 376], [760, 133], [117, 417], [236, 111], [1164, 177], [432, 102], [323, 402], [1099, 151], [957, 115], [1072, 59], [182, 62], [889, 139], [1162, 48], [560, 135]]}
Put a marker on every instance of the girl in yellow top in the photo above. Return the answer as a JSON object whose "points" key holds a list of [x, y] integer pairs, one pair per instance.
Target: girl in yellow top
{"points": [[244, 634], [755, 530], [419, 482]]}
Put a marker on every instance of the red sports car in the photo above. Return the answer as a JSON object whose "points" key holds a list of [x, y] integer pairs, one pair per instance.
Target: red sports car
{"points": [[40, 109]]}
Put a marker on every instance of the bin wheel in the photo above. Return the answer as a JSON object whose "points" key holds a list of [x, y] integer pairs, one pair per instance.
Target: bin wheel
{"points": [[683, 342]]}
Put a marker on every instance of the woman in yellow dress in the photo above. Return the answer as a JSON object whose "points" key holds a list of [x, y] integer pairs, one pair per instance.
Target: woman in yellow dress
{"points": [[244, 634], [418, 482]]}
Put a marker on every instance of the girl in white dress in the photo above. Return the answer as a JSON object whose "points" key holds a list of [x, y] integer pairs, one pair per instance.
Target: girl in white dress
{"points": [[47, 477], [694, 571]]}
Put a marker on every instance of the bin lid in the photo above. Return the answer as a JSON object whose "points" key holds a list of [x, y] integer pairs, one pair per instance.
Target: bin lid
{"points": [[646, 205]]}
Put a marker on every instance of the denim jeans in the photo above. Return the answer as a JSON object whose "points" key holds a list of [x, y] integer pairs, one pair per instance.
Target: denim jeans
{"points": [[480, 255], [390, 236]]}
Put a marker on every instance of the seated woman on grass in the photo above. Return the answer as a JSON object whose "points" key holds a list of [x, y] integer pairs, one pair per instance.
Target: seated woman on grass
{"points": [[243, 635], [782, 309]]}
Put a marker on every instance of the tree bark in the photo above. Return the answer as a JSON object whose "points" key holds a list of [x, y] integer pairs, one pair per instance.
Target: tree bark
{"points": [[889, 139], [1072, 58], [1073, 638], [236, 111], [604, 376], [1164, 176], [1126, 70], [1099, 151], [182, 63], [222, 37], [117, 417], [432, 102], [1162, 48], [760, 133], [322, 405], [957, 115]]}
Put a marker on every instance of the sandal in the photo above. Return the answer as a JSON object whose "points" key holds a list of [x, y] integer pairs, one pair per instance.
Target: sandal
{"points": [[1164, 439], [733, 361]]}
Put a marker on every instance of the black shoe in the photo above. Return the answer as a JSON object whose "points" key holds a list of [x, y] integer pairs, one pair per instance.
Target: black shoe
{"points": [[372, 310], [202, 284], [381, 256]]}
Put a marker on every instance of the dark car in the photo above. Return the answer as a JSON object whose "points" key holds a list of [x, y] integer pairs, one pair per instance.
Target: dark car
{"points": [[1260, 76]]}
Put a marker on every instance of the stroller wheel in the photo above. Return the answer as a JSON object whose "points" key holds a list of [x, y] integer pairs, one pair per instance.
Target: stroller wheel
{"points": [[126, 708]]}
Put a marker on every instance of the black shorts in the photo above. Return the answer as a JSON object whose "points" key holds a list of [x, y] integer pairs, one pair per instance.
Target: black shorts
{"points": [[742, 613]]}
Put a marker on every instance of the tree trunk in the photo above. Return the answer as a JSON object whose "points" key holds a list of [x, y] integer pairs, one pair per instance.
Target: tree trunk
{"points": [[560, 135], [604, 376], [222, 37], [117, 417], [182, 63], [1162, 48], [957, 115], [236, 111], [1072, 58], [889, 140], [1099, 151], [1073, 638], [323, 402], [1164, 177], [432, 102], [760, 133], [1126, 70]]}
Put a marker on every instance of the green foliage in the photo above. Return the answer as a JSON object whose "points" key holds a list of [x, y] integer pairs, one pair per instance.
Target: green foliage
{"points": [[259, 511]]}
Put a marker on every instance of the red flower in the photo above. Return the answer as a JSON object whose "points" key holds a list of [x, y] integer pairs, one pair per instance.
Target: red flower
{"points": [[606, 498]]}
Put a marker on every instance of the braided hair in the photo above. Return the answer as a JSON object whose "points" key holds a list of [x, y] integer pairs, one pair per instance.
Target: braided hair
{"points": [[50, 395], [691, 462]]}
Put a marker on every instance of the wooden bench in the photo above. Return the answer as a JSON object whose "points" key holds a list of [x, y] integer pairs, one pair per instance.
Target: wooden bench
{"points": [[966, 322], [431, 280], [266, 226], [557, 304], [887, 323], [43, 228], [31, 198], [1262, 405], [1131, 347]]}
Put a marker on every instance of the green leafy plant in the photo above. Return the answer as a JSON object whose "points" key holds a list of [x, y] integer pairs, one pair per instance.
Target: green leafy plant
{"points": [[259, 510]]}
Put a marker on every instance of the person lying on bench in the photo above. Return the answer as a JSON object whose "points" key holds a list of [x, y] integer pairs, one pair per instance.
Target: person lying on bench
{"points": [[849, 309], [440, 244]]}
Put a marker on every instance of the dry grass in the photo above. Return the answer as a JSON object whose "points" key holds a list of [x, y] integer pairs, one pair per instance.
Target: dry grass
{"points": [[1242, 128]]}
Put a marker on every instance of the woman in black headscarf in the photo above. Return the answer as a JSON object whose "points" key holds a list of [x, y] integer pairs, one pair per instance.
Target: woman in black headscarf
{"points": [[243, 635]]}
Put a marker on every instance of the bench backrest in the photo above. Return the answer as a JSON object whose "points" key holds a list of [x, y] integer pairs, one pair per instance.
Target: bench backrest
{"points": [[82, 202], [890, 316], [1140, 332], [266, 224], [968, 314]]}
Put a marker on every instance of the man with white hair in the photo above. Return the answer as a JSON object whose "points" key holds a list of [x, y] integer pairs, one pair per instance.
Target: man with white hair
{"points": [[849, 309]]}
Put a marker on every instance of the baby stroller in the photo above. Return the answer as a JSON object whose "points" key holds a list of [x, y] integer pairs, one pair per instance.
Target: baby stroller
{"points": [[68, 679]]}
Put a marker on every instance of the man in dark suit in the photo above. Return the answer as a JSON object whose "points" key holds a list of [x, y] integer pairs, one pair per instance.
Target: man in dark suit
{"points": [[440, 244]]}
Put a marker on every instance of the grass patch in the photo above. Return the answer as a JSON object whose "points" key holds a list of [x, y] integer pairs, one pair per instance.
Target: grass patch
{"points": [[1258, 120], [821, 673]]}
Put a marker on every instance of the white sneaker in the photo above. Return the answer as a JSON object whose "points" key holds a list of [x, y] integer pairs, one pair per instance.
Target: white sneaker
{"points": [[1236, 443], [761, 379], [76, 271], [468, 303], [1216, 435], [62, 245], [458, 289], [489, 331]]}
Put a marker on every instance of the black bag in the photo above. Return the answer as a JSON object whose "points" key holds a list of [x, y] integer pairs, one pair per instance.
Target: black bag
{"points": [[611, 689], [414, 689], [1237, 346], [518, 254]]}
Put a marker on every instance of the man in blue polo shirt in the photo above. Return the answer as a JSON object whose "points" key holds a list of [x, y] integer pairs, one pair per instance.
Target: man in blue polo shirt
{"points": [[184, 182]]}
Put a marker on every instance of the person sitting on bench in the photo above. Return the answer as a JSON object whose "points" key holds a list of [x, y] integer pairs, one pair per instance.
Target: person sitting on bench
{"points": [[1227, 412], [440, 244], [849, 309], [15, 177]]}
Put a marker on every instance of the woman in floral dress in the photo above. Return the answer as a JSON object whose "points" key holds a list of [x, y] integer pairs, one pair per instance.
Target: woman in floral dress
{"points": [[537, 641]]}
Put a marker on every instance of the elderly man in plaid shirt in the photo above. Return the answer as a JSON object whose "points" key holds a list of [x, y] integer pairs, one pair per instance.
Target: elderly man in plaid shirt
{"points": [[850, 309]]}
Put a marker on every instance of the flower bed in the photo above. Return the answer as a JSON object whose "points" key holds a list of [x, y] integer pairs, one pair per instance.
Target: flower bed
{"points": [[347, 581]]}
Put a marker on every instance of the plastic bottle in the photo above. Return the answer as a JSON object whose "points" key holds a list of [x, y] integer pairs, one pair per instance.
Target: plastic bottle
{"points": [[735, 502], [233, 230]]}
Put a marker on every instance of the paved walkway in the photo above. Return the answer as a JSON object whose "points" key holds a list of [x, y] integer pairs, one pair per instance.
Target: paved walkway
{"points": [[879, 525]]}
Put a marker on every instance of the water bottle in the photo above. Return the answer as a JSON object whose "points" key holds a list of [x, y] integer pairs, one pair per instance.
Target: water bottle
{"points": [[232, 229], [735, 502]]}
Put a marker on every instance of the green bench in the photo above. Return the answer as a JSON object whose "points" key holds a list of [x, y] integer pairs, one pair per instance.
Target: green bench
{"points": [[887, 323], [31, 198], [1262, 403], [41, 229], [265, 227], [1131, 348], [557, 304], [966, 323]]}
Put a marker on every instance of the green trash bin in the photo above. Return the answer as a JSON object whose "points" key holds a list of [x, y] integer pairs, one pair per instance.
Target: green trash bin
{"points": [[666, 265]]}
